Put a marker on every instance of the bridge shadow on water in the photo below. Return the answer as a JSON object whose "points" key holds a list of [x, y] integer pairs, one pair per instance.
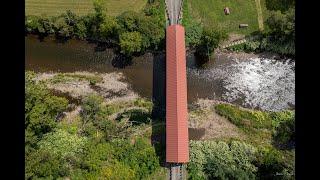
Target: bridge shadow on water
{"points": [[158, 136]]}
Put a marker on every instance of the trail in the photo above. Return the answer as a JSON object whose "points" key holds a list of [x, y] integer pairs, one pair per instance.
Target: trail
{"points": [[260, 17]]}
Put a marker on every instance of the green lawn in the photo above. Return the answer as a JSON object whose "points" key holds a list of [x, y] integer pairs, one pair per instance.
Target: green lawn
{"points": [[80, 7], [210, 12]]}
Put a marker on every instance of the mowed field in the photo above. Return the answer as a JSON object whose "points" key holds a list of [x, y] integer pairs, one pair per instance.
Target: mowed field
{"points": [[80, 7], [210, 12]]}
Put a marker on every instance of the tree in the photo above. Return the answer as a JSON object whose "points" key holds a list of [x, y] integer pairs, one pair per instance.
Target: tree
{"points": [[62, 28], [152, 33], [41, 110], [129, 21], [210, 40], [130, 42], [80, 29], [281, 38], [32, 24], [109, 27], [282, 25]]}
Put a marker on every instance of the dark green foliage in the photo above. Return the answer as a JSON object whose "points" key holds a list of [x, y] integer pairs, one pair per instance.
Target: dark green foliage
{"points": [[274, 164], [219, 160], [192, 27], [96, 124], [281, 5], [136, 116], [140, 156], [285, 134], [193, 34], [96, 155], [281, 125], [108, 28], [41, 109], [91, 105], [130, 42], [150, 28], [210, 40], [32, 24], [41, 163]]}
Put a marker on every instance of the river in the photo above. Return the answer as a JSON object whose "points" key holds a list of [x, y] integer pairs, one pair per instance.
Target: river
{"points": [[251, 81]]}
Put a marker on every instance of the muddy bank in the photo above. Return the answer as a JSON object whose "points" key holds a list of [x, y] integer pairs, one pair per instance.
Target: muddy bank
{"points": [[80, 84]]}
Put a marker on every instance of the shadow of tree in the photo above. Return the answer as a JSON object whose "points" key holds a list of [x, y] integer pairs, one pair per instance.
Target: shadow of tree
{"points": [[121, 61], [136, 116]]}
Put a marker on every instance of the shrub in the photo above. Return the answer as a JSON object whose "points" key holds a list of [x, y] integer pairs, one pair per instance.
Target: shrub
{"points": [[41, 109], [41, 163], [219, 160], [210, 40], [91, 105], [32, 24], [108, 28], [247, 119], [130, 42], [117, 171], [96, 155], [284, 135], [272, 164], [63, 143], [140, 156]]}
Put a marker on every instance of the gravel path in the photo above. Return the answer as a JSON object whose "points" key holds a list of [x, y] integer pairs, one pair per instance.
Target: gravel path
{"points": [[173, 7]]}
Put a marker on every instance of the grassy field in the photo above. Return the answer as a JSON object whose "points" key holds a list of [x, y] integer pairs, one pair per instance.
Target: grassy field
{"points": [[210, 12], [80, 7]]}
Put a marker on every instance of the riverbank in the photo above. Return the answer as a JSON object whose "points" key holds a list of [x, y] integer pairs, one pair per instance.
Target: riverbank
{"points": [[109, 114]]}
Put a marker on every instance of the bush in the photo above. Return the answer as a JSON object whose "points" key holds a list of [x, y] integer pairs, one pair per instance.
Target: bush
{"points": [[117, 171], [41, 110], [91, 105], [130, 42], [273, 164], [247, 119], [219, 160], [63, 143], [284, 135], [109, 28], [210, 40], [44, 164], [140, 157], [32, 24]]}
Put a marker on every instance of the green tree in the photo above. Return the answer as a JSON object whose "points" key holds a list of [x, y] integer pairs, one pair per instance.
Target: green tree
{"points": [[109, 27], [80, 29], [282, 25], [41, 110], [44, 164], [32, 24], [129, 21], [210, 40], [152, 33], [130, 42]]}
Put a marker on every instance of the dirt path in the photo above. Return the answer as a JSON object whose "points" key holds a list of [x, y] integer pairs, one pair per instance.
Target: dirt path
{"points": [[213, 125], [260, 17]]}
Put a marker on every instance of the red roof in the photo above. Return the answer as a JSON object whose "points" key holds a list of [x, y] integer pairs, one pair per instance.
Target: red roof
{"points": [[177, 140]]}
